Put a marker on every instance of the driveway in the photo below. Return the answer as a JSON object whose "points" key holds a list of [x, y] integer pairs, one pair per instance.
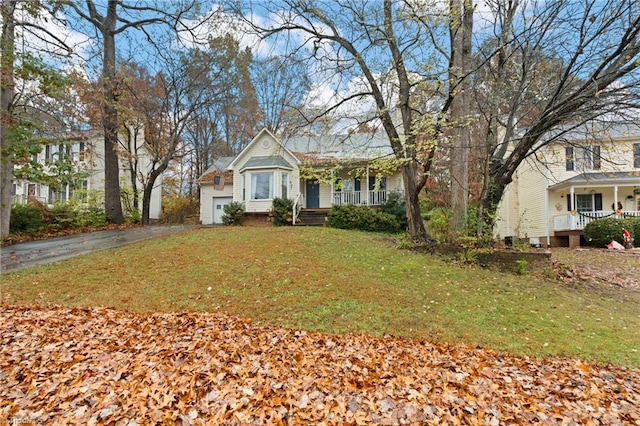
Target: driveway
{"points": [[33, 253]]}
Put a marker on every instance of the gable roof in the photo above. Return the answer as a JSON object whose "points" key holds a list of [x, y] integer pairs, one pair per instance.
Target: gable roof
{"points": [[218, 168], [255, 140]]}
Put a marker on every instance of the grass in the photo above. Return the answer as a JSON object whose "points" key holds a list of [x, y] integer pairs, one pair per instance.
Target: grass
{"points": [[343, 282]]}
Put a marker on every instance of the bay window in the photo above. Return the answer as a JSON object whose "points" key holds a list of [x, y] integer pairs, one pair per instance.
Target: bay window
{"points": [[262, 186]]}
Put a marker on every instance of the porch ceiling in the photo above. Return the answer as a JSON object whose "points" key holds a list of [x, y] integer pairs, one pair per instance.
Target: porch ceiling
{"points": [[600, 179]]}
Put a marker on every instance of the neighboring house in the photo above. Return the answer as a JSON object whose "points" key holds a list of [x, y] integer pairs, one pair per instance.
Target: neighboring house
{"points": [[268, 168], [571, 182], [86, 149]]}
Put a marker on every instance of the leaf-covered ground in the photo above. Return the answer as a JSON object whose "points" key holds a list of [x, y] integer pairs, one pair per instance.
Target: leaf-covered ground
{"points": [[102, 366]]}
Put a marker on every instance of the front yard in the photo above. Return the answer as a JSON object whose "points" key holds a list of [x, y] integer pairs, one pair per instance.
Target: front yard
{"points": [[338, 281], [313, 325]]}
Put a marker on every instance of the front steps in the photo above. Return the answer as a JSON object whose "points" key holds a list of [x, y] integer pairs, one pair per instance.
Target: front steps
{"points": [[312, 217]]}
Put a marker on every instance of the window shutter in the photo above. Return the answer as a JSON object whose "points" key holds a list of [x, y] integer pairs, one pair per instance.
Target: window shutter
{"points": [[596, 157], [598, 202], [569, 157]]}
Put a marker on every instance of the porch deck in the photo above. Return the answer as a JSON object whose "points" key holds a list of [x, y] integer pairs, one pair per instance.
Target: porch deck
{"points": [[578, 220]]}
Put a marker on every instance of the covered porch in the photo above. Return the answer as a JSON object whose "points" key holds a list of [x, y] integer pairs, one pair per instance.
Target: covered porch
{"points": [[592, 196]]}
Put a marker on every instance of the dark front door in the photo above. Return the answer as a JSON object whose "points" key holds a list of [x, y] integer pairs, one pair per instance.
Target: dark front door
{"points": [[313, 194]]}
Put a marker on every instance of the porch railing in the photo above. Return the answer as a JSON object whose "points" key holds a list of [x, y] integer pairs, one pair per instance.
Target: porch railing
{"points": [[297, 206], [578, 220], [24, 199], [375, 198]]}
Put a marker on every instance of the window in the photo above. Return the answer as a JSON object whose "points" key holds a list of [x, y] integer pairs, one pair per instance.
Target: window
{"points": [[284, 190], [583, 158], [244, 187], [262, 186], [216, 180], [585, 202], [47, 152], [79, 152], [636, 155]]}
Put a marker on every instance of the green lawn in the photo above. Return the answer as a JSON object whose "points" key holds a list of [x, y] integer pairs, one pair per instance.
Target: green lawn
{"points": [[343, 282]]}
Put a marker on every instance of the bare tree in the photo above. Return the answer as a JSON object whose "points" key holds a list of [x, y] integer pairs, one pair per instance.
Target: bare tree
{"points": [[281, 83], [551, 67]]}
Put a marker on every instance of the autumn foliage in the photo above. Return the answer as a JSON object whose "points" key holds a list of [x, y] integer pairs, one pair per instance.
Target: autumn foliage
{"points": [[102, 366]]}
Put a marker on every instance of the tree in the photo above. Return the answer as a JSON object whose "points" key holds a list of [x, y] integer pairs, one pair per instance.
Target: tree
{"points": [[225, 123], [7, 92], [281, 84], [118, 17], [551, 67], [460, 29], [16, 129]]}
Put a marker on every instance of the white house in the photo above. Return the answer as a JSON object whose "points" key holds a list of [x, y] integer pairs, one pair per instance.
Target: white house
{"points": [[581, 177], [268, 168], [86, 149]]}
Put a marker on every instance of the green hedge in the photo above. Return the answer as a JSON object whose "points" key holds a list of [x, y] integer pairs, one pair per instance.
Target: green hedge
{"points": [[601, 232], [27, 218], [362, 218], [282, 211], [233, 213]]}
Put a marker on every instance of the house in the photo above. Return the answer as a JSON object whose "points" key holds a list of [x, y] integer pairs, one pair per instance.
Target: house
{"points": [[316, 172], [582, 176], [86, 151]]}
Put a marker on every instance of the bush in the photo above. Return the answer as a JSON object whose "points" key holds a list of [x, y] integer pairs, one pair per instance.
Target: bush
{"points": [[282, 211], [438, 222], [233, 213], [601, 232], [26, 218], [179, 209], [362, 218], [396, 207]]}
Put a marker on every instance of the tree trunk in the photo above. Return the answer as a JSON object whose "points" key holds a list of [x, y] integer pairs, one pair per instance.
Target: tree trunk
{"points": [[112, 201], [461, 15], [7, 91], [146, 194], [411, 178]]}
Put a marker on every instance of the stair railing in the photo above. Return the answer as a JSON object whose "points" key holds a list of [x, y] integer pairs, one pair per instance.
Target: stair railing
{"points": [[297, 206]]}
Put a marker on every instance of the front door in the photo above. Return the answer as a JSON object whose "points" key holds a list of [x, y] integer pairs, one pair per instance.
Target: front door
{"points": [[313, 194]]}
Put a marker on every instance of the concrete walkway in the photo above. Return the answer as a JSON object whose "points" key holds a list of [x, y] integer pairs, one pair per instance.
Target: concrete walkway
{"points": [[33, 253]]}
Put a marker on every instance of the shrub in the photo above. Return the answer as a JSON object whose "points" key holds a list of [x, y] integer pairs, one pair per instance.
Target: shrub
{"points": [[438, 222], [634, 230], [601, 232], [26, 218], [362, 218], [63, 216], [282, 211], [179, 209], [396, 206], [233, 213]]}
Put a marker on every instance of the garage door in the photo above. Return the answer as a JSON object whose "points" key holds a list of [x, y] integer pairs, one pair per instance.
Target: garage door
{"points": [[218, 208]]}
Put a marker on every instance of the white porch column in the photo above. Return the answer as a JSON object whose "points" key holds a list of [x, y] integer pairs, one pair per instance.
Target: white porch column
{"points": [[367, 185], [572, 203], [615, 197]]}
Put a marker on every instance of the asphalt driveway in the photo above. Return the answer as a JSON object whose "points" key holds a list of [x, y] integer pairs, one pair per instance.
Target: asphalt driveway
{"points": [[33, 253]]}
